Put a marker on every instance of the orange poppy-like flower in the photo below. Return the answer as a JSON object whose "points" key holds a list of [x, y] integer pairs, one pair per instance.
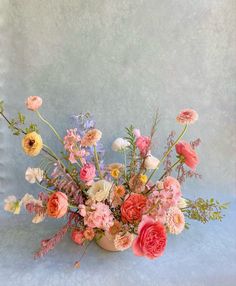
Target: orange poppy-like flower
{"points": [[119, 191]]}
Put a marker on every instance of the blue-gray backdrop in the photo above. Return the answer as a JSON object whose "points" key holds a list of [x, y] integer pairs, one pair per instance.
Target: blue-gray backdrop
{"points": [[120, 60]]}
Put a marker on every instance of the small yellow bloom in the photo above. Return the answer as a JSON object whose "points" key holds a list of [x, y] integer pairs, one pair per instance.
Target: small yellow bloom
{"points": [[143, 179], [115, 173], [32, 144]]}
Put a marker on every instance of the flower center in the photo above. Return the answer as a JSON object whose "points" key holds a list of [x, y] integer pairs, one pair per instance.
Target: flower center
{"points": [[31, 142]]}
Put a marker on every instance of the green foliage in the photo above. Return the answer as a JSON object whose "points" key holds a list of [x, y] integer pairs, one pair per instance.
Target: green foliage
{"points": [[205, 210], [32, 127], [131, 151]]}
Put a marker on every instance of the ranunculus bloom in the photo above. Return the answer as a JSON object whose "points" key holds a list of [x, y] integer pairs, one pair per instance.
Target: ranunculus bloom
{"points": [[143, 144], [175, 220], [77, 236], [132, 208], [100, 190], [89, 233], [91, 137], [187, 116], [33, 174], [151, 240], [188, 155], [123, 241], [87, 172], [32, 144], [57, 205], [151, 162], [33, 102], [120, 144]]}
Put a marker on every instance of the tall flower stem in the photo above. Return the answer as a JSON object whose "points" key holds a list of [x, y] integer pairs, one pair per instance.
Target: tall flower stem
{"points": [[171, 167], [168, 151], [50, 126], [97, 163]]}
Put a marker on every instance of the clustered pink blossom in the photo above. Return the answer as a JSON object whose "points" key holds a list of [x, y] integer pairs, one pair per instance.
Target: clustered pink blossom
{"points": [[71, 145], [99, 216]]}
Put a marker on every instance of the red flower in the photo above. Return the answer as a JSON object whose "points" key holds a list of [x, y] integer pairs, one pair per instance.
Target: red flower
{"points": [[189, 156], [132, 208], [143, 143], [151, 240]]}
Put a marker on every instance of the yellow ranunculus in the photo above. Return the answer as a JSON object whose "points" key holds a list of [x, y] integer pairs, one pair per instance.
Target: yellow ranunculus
{"points": [[143, 179], [115, 173], [32, 144]]}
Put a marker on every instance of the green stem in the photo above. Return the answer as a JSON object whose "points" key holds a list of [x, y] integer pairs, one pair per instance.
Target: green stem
{"points": [[97, 163], [167, 152], [125, 162], [43, 187], [50, 126], [171, 167]]}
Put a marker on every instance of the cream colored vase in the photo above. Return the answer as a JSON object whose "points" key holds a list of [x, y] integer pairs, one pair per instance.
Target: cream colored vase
{"points": [[106, 243]]}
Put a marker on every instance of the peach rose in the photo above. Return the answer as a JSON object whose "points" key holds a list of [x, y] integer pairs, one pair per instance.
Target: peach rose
{"points": [[77, 236], [57, 205], [133, 207], [91, 138], [151, 240], [187, 154], [33, 102]]}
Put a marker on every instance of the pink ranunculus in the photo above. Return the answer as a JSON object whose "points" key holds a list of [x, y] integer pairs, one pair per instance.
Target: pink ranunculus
{"points": [[187, 116], [87, 172], [151, 240], [77, 236], [57, 205], [33, 102], [188, 155], [172, 186], [143, 143]]}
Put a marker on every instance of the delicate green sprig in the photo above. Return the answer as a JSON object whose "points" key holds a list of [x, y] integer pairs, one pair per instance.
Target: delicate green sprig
{"points": [[131, 151], [204, 210]]}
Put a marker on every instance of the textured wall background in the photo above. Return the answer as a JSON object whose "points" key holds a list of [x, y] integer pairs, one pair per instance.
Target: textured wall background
{"points": [[120, 60]]}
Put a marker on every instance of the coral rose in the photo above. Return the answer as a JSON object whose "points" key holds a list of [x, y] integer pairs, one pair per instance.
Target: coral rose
{"points": [[57, 205], [77, 236], [91, 138], [133, 207], [151, 240], [187, 116], [33, 102], [32, 144], [87, 172], [143, 144], [187, 154]]}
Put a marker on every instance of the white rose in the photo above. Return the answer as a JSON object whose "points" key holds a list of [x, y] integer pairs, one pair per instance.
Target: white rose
{"points": [[120, 144], [151, 162], [34, 174], [100, 190], [182, 203]]}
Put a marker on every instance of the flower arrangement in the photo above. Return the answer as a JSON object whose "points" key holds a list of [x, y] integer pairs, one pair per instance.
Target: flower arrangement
{"points": [[119, 205]]}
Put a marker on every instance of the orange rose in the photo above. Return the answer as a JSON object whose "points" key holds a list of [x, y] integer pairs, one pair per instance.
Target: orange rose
{"points": [[132, 208], [57, 205]]}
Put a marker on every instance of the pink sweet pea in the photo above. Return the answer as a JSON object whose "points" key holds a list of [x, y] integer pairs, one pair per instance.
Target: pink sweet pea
{"points": [[143, 144]]}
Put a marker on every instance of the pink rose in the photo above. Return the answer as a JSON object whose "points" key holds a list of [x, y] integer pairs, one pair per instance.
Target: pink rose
{"points": [[33, 102], [143, 144], [187, 154], [57, 205], [87, 172], [151, 240], [77, 236]]}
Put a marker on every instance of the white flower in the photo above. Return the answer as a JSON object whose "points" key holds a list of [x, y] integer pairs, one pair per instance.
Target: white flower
{"points": [[151, 162], [12, 205], [182, 203], [99, 190], [120, 144], [34, 174]]}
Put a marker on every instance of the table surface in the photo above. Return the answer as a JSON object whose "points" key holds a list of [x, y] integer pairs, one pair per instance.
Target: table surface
{"points": [[203, 255]]}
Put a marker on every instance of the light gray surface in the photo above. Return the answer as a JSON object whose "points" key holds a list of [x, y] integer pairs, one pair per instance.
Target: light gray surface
{"points": [[120, 60]]}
